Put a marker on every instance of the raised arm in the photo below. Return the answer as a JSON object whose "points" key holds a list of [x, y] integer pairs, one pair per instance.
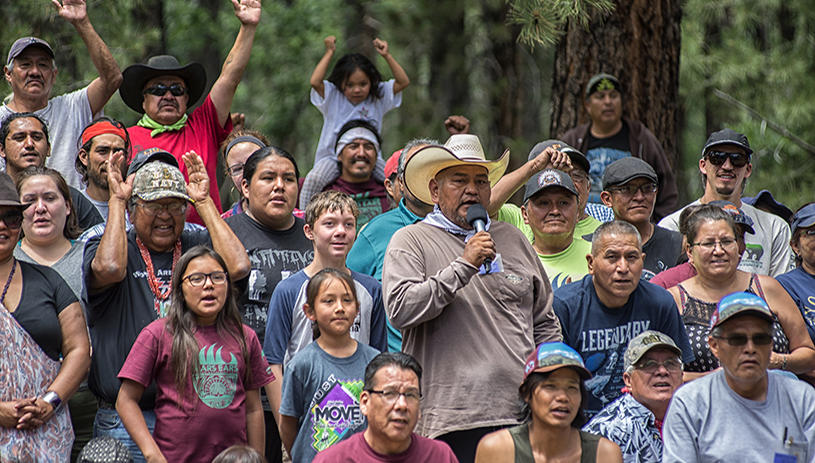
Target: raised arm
{"points": [[109, 265], [399, 74], [223, 90], [224, 240], [322, 67], [110, 76], [511, 182]]}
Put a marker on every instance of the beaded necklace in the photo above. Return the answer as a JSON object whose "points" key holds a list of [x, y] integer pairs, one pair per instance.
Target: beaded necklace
{"points": [[161, 299], [8, 282]]}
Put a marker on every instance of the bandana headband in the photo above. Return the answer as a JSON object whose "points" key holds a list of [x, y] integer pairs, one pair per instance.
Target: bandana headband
{"points": [[101, 128], [353, 134]]}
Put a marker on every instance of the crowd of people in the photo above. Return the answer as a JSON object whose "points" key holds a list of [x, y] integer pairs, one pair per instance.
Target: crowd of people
{"points": [[382, 311]]}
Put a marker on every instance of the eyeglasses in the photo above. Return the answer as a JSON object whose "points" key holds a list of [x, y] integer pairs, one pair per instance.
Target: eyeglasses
{"points": [[760, 339], [631, 190], [235, 170], [161, 90], [12, 219], [717, 158], [652, 366], [808, 232], [579, 178], [726, 245], [198, 279], [154, 209], [391, 396]]}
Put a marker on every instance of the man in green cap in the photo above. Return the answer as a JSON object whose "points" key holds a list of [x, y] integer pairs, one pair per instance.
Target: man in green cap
{"points": [[609, 136]]}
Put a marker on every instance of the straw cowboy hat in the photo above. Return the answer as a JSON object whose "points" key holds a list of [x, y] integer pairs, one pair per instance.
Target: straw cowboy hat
{"points": [[137, 75], [459, 150]]}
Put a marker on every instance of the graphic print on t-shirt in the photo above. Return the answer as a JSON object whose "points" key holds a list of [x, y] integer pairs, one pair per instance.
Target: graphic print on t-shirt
{"points": [[368, 208], [164, 277], [216, 380], [600, 158], [335, 411]]}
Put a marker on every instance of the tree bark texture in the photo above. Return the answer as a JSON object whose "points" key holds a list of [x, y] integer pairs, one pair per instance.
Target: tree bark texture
{"points": [[639, 43]]}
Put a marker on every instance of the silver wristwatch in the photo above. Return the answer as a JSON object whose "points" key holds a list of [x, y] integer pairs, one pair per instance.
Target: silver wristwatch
{"points": [[52, 398]]}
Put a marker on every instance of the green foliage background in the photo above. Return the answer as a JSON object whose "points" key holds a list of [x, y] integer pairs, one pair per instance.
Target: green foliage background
{"points": [[761, 52]]}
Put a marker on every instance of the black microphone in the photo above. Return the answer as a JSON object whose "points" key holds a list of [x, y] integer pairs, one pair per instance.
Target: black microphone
{"points": [[477, 218]]}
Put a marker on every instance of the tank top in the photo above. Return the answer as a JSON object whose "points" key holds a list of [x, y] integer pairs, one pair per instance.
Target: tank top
{"points": [[696, 316], [523, 448]]}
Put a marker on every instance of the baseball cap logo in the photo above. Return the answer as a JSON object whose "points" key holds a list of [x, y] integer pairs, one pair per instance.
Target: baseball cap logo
{"points": [[549, 178], [529, 366], [650, 339]]}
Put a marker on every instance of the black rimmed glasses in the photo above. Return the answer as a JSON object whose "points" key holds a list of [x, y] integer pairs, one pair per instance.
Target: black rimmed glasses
{"points": [[717, 158], [760, 339], [391, 396], [235, 170], [198, 279], [161, 90]]}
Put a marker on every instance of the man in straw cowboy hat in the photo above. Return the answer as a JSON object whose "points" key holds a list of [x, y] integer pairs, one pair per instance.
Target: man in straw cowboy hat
{"points": [[452, 305], [162, 90]]}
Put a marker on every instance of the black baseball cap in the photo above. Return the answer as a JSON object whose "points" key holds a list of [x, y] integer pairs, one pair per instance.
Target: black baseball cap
{"points": [[578, 159], [150, 155], [602, 81], [548, 178], [727, 137]]}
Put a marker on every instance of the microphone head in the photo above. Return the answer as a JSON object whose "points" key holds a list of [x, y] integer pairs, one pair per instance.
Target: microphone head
{"points": [[476, 212]]}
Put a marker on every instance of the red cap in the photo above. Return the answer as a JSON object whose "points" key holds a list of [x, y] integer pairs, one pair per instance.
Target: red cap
{"points": [[392, 164]]}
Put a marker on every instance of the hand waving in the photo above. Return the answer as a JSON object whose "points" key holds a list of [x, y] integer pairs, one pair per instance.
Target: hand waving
{"points": [[72, 11], [247, 11], [118, 187], [198, 186]]}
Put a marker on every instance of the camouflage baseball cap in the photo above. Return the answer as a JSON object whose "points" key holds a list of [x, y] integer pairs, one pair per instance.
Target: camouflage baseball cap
{"points": [[646, 341], [157, 180]]}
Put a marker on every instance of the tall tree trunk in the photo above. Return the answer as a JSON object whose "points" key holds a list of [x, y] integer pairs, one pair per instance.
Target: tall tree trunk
{"points": [[149, 15], [640, 44]]}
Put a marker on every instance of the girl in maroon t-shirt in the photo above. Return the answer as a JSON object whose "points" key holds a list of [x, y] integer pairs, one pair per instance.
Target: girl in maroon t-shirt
{"points": [[208, 369]]}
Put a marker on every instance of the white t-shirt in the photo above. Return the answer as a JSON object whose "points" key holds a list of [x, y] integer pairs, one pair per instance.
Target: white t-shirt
{"points": [[337, 110], [768, 251], [66, 115]]}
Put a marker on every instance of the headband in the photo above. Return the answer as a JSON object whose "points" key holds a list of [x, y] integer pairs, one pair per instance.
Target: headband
{"points": [[353, 134], [243, 139], [100, 128]]}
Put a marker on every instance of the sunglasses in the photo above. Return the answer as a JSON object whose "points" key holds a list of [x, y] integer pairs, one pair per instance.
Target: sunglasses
{"points": [[717, 158], [12, 219], [161, 90]]}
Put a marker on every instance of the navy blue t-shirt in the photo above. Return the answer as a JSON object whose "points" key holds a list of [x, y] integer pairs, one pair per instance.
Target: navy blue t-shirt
{"points": [[601, 334], [801, 286]]}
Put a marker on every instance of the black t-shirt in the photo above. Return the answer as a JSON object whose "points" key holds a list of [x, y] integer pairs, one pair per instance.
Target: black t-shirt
{"points": [[619, 141], [275, 255], [601, 152], [45, 296], [117, 315], [662, 251], [86, 213]]}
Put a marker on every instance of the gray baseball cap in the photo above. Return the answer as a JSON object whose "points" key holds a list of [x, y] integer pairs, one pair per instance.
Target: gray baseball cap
{"points": [[578, 159], [602, 81], [624, 170], [21, 44]]}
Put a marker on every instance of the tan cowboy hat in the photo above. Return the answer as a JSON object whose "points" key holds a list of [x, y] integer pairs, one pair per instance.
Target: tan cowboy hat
{"points": [[459, 150]]}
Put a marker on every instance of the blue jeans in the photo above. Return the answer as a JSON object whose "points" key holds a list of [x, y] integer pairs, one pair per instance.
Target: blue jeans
{"points": [[108, 423]]}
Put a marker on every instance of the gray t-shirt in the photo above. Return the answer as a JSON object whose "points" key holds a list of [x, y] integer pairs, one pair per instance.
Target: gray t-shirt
{"points": [[69, 267], [708, 422], [66, 115], [101, 206], [322, 391]]}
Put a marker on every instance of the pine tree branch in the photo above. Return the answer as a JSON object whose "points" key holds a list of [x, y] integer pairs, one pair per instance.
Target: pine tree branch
{"points": [[778, 128]]}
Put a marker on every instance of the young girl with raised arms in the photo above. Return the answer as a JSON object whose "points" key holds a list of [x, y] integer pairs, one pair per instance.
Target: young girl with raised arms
{"points": [[354, 90], [207, 366], [323, 382]]}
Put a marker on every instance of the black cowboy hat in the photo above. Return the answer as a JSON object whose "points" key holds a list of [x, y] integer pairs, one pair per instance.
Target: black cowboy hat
{"points": [[136, 75]]}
